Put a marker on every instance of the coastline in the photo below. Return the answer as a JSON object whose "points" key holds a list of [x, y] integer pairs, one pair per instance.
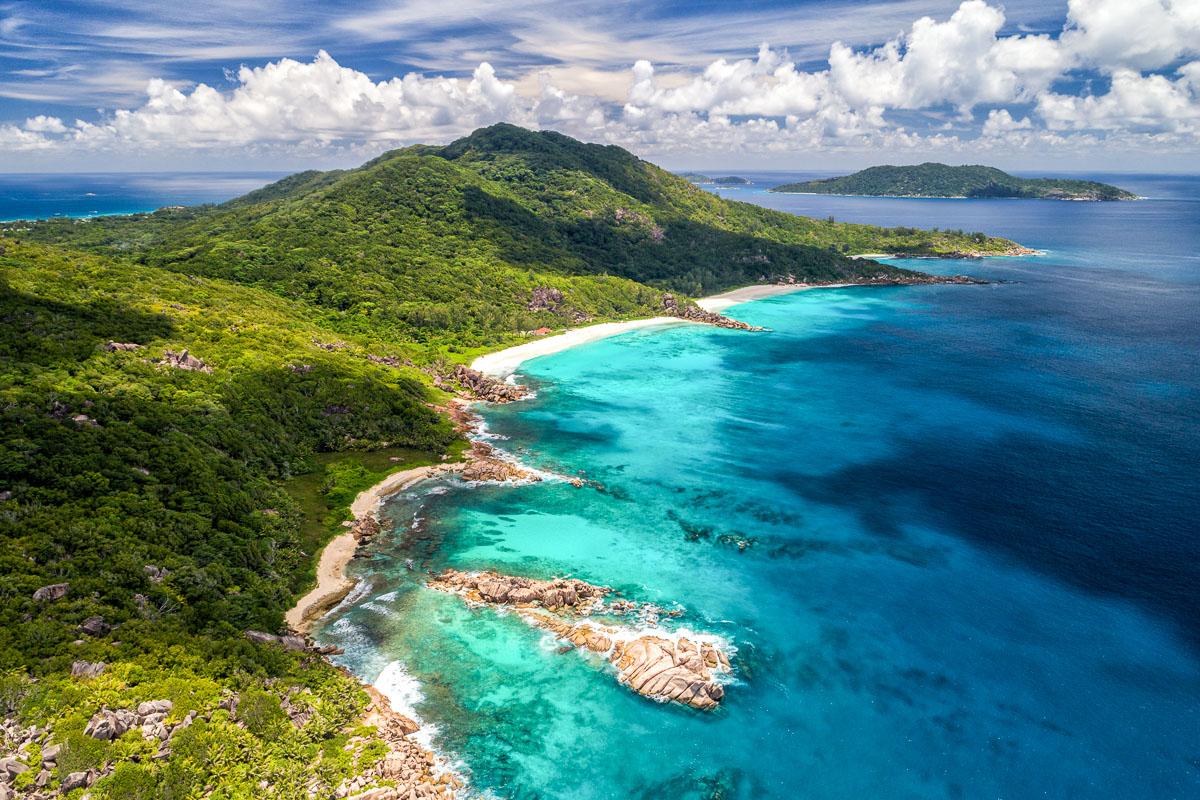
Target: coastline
{"points": [[718, 302], [503, 363], [332, 583]]}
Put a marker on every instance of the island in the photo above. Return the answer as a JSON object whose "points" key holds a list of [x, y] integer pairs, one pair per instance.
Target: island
{"points": [[724, 180], [941, 180], [203, 408]]}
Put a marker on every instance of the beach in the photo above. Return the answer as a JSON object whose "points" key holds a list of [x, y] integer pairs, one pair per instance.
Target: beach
{"points": [[332, 583], [718, 302], [505, 362]]}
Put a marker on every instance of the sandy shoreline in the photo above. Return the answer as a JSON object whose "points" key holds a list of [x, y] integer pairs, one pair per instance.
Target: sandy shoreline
{"points": [[332, 583], [503, 363], [717, 302]]}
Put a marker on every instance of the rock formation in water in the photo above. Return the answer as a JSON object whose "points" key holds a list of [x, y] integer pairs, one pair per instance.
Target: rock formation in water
{"points": [[681, 670], [691, 311], [484, 466], [480, 387], [494, 589]]}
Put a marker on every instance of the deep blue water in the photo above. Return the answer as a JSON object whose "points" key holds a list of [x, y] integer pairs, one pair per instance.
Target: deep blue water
{"points": [[973, 560], [42, 195]]}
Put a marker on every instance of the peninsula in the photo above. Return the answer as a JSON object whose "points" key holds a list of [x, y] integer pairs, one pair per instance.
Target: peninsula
{"points": [[940, 180]]}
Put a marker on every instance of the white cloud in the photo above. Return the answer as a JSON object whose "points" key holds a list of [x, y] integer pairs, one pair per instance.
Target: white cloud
{"points": [[293, 102], [16, 140], [1132, 34], [861, 99], [1134, 102], [961, 62], [43, 124], [1000, 122]]}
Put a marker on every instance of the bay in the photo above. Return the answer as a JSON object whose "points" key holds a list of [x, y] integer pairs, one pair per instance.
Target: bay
{"points": [[971, 559]]}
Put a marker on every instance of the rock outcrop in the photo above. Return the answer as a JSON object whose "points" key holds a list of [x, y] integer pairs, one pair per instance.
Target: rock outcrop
{"points": [[406, 770], [693, 312], [544, 298], [480, 387], [54, 591], [87, 669], [130, 347], [155, 574], [490, 469], [682, 670], [292, 641], [495, 589], [184, 360], [94, 626], [671, 670]]}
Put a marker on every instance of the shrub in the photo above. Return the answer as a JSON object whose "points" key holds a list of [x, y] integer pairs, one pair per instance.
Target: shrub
{"points": [[261, 712]]}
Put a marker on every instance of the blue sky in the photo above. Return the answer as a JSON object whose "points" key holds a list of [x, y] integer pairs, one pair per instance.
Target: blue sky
{"points": [[1085, 84]]}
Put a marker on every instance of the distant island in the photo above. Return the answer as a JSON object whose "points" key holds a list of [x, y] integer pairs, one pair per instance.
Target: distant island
{"points": [[941, 180], [724, 180]]}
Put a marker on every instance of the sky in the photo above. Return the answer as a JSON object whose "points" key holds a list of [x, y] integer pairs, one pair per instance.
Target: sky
{"points": [[223, 85]]}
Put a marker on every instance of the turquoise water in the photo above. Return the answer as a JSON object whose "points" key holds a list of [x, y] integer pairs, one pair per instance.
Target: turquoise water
{"points": [[971, 560]]}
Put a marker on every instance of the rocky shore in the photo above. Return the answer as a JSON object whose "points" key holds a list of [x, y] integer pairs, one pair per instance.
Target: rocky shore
{"points": [[682, 670], [1009, 253], [406, 771], [694, 313]]}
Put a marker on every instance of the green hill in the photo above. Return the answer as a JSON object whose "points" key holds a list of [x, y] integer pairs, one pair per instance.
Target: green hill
{"points": [[435, 242], [940, 180], [191, 398], [154, 428]]}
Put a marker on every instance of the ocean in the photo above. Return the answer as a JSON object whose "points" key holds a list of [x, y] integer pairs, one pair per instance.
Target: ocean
{"points": [[43, 195], [950, 532]]}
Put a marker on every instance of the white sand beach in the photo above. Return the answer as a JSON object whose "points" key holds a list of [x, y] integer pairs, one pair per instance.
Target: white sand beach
{"points": [[718, 302], [332, 583], [505, 362]]}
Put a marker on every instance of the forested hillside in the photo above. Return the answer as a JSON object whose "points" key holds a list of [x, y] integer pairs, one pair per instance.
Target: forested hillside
{"points": [[150, 424], [939, 180], [451, 241], [190, 398]]}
